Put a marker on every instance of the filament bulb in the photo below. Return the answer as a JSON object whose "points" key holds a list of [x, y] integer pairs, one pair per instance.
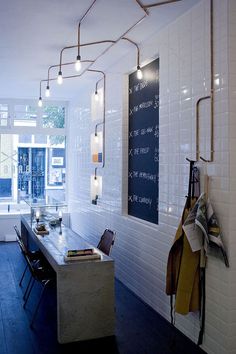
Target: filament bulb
{"points": [[78, 63], [59, 78], [139, 73], [40, 102], [95, 181], [47, 92], [96, 138], [96, 96]]}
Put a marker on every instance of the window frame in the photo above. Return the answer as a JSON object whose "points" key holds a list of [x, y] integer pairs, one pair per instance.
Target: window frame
{"points": [[11, 129]]}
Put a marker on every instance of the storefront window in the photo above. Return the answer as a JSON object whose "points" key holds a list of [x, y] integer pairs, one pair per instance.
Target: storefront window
{"points": [[7, 161], [4, 115], [25, 115], [31, 165], [54, 117]]}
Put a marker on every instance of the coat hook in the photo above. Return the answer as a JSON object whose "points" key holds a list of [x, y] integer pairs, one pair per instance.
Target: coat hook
{"points": [[190, 160], [202, 158]]}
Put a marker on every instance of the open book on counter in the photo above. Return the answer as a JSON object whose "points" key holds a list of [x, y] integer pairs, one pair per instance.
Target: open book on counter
{"points": [[80, 255]]}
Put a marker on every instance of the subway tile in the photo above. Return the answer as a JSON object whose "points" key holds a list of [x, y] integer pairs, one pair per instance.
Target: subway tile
{"points": [[184, 77]]}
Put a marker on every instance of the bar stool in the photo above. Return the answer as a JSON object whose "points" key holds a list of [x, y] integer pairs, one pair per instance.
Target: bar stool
{"points": [[40, 271], [34, 256], [42, 275]]}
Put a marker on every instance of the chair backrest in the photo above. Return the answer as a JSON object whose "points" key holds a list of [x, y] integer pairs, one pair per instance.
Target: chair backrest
{"points": [[20, 241], [107, 241], [17, 232], [24, 250]]}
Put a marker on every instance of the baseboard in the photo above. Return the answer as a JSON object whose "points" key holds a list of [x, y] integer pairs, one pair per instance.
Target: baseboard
{"points": [[9, 237]]}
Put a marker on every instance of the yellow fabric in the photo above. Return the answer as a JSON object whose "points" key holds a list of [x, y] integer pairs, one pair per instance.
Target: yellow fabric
{"points": [[183, 269], [187, 295]]}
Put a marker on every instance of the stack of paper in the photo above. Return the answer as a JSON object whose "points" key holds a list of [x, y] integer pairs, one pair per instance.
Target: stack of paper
{"points": [[41, 230]]}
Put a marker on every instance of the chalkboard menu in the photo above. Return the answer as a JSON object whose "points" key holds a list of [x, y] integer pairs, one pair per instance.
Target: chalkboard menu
{"points": [[143, 171]]}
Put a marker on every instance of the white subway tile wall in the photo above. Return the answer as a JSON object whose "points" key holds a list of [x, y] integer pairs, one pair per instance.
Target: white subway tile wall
{"points": [[141, 249]]}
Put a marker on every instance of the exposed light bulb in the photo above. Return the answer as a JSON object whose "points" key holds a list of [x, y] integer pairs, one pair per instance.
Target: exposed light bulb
{"points": [[37, 215], [95, 181], [40, 102], [139, 73], [96, 96], [78, 63], [59, 78], [47, 92], [217, 81], [96, 138]]}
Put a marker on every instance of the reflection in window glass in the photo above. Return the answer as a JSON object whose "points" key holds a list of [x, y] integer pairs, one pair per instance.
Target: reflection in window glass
{"points": [[3, 115], [25, 115], [25, 139], [7, 157], [40, 139], [32, 165], [56, 160], [56, 166], [3, 107], [57, 140], [53, 117]]}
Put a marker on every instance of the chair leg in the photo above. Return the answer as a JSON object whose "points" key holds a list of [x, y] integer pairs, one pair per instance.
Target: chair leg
{"points": [[29, 292], [39, 302], [27, 288], [22, 277]]}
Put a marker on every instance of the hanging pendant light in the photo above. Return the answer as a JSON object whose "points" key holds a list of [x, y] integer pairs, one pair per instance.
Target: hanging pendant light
{"points": [[47, 92], [40, 102], [59, 78], [96, 139], [78, 63], [95, 181], [96, 96], [139, 73]]}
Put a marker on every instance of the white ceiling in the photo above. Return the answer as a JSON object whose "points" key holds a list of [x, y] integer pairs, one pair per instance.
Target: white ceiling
{"points": [[32, 33]]}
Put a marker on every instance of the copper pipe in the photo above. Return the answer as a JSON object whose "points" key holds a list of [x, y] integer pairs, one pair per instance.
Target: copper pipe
{"points": [[123, 35], [138, 53], [104, 41], [55, 79], [55, 66], [212, 80], [197, 123], [96, 86], [97, 71], [142, 7], [96, 127], [82, 45], [159, 4], [80, 24], [70, 76], [58, 65], [104, 102], [100, 42], [104, 114], [79, 40], [211, 97]]}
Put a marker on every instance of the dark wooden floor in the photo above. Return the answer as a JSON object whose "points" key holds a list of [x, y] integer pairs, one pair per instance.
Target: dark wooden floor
{"points": [[139, 330]]}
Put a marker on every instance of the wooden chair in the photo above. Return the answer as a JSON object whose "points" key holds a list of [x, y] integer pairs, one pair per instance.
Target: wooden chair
{"points": [[107, 241]]}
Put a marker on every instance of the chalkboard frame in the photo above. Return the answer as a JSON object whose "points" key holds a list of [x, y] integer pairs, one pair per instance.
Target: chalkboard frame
{"points": [[143, 144]]}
